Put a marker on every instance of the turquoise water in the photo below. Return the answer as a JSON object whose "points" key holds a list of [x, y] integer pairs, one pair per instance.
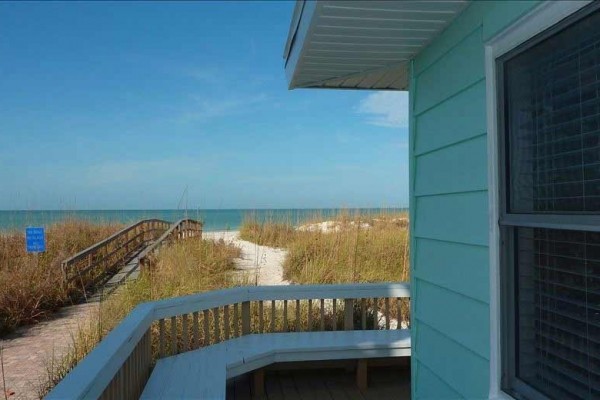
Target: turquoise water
{"points": [[214, 220]]}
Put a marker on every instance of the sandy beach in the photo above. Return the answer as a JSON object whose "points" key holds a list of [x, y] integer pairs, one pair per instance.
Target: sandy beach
{"points": [[263, 264]]}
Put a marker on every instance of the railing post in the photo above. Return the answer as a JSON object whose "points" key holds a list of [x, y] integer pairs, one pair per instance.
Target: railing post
{"points": [[63, 267], [348, 314], [161, 338], [245, 318]]}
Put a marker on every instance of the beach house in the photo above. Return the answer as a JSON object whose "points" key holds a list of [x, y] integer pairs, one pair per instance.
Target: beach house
{"points": [[504, 150], [504, 180]]}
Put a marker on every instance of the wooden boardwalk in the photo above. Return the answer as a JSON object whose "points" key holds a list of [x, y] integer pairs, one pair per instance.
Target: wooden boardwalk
{"points": [[392, 382]]}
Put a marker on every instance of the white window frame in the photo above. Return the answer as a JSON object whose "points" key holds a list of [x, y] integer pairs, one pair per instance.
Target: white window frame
{"points": [[539, 19]]}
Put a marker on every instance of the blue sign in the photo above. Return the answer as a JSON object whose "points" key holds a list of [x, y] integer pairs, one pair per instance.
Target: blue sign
{"points": [[35, 239]]}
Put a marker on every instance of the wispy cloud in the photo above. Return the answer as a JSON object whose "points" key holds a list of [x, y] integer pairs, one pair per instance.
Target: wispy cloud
{"points": [[204, 74], [106, 174], [387, 109], [205, 109]]}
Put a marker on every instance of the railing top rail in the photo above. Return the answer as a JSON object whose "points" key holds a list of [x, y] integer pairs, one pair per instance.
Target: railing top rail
{"points": [[217, 298], [91, 376], [110, 238], [165, 235]]}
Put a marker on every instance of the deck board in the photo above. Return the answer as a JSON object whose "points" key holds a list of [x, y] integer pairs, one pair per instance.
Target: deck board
{"points": [[311, 388], [288, 386], [243, 389], [273, 388], [339, 385], [391, 382]]}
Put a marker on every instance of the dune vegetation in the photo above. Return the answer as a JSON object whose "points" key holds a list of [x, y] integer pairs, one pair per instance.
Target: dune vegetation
{"points": [[267, 233], [345, 248], [31, 284]]}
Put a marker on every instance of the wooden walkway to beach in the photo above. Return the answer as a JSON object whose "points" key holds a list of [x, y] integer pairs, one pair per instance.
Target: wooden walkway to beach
{"points": [[28, 353]]}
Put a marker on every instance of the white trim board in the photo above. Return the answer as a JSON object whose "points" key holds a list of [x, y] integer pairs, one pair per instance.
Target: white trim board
{"points": [[536, 21]]}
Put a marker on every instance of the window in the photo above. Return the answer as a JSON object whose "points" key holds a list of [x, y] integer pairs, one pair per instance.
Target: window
{"points": [[549, 98]]}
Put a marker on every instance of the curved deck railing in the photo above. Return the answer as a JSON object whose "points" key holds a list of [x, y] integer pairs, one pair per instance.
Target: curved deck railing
{"points": [[119, 367], [93, 264]]}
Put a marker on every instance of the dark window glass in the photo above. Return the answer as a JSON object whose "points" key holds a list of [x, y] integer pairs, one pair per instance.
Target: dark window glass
{"points": [[552, 106], [558, 311]]}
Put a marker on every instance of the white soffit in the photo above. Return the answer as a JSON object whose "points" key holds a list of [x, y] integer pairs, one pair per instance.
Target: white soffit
{"points": [[361, 44]]}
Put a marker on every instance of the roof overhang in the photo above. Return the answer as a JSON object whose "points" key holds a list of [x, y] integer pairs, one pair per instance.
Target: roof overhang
{"points": [[361, 44]]}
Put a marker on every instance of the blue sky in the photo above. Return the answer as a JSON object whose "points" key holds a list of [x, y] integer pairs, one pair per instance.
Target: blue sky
{"points": [[123, 105]]}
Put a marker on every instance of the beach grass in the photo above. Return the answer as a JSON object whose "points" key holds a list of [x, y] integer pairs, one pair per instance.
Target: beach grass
{"points": [[31, 285], [181, 268], [346, 248], [273, 233]]}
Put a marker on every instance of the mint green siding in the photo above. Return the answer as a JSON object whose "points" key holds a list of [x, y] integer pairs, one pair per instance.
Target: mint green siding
{"points": [[449, 206]]}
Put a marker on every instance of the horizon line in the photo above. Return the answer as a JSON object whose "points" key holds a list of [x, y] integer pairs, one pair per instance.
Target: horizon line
{"points": [[208, 209]]}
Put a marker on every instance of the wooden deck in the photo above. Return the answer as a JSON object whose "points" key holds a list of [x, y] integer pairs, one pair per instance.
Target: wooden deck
{"points": [[119, 367], [391, 382]]}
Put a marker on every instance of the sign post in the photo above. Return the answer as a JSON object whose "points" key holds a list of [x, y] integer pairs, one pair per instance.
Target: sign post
{"points": [[35, 239]]}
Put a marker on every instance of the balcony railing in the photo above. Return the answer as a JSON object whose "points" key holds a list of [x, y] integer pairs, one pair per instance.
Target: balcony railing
{"points": [[119, 367]]}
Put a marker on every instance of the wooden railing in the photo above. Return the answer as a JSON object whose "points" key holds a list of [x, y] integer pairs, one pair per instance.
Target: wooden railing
{"points": [[182, 229], [119, 367], [93, 264]]}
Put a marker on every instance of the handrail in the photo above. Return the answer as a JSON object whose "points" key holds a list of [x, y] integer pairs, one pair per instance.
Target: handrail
{"points": [[91, 265], [110, 238], [184, 227], [126, 351], [218, 298]]}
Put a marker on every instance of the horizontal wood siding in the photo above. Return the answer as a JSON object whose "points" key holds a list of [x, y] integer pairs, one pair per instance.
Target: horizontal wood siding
{"points": [[456, 321], [449, 199], [456, 217], [431, 386], [462, 170], [466, 57], [463, 370], [446, 264], [436, 131]]}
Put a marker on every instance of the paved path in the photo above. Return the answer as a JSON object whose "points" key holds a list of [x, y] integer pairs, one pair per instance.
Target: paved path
{"points": [[263, 263], [27, 352]]}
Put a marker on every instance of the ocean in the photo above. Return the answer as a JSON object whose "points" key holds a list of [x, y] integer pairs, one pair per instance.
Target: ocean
{"points": [[214, 220]]}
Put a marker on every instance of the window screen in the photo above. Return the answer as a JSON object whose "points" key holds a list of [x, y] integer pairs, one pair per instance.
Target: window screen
{"points": [[558, 311], [553, 114], [550, 97]]}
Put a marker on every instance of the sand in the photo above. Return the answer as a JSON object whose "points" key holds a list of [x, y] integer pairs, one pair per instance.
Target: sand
{"points": [[263, 264]]}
